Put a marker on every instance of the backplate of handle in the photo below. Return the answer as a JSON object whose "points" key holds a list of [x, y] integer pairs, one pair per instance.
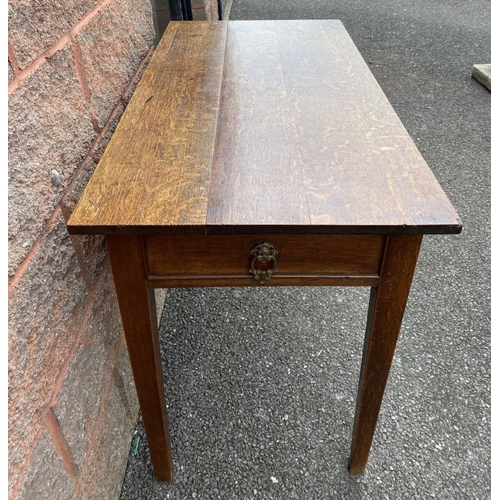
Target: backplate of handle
{"points": [[264, 253]]}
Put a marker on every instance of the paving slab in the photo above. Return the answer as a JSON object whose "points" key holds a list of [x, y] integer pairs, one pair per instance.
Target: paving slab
{"points": [[482, 73]]}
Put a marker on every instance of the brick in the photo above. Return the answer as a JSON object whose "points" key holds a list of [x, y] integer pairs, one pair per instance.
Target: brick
{"points": [[93, 362], [205, 10], [46, 478], [70, 199], [105, 466], [208, 11], [10, 72], [92, 254], [107, 133], [90, 249], [112, 47], [199, 4], [161, 4], [45, 313], [37, 24], [49, 128], [124, 382], [203, 14], [214, 10], [130, 91]]}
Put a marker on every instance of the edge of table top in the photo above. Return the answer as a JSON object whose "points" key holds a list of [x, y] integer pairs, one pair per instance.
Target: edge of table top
{"points": [[262, 229], [192, 125]]}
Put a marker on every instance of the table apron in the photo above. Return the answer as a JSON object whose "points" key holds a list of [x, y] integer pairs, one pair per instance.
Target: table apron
{"points": [[173, 261]]}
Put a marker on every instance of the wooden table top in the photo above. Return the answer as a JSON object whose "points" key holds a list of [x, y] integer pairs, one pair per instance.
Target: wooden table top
{"points": [[261, 126]]}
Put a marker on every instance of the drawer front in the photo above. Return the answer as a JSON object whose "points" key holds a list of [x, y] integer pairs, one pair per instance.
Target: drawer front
{"points": [[231, 255]]}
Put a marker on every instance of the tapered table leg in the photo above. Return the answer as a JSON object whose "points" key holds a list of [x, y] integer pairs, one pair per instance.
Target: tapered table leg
{"points": [[385, 314], [138, 311]]}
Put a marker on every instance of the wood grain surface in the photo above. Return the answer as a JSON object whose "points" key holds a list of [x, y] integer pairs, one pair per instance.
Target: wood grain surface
{"points": [[385, 315], [230, 254], [138, 312], [261, 126], [307, 137], [245, 131], [156, 169]]}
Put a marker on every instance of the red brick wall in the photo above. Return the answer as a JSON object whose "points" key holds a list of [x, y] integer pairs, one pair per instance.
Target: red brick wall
{"points": [[205, 10], [72, 404]]}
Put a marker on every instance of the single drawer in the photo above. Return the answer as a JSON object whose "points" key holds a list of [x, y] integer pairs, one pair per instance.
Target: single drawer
{"points": [[231, 255]]}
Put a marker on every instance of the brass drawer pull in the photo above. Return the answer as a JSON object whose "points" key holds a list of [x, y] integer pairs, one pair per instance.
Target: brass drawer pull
{"points": [[264, 253]]}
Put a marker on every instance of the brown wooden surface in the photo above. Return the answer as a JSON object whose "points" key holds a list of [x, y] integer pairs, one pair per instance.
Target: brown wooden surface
{"points": [[272, 130], [138, 312], [156, 168], [248, 126], [225, 280], [386, 310], [230, 254], [307, 137]]}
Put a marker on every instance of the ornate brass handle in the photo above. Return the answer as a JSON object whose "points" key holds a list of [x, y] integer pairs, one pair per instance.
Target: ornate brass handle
{"points": [[264, 253]]}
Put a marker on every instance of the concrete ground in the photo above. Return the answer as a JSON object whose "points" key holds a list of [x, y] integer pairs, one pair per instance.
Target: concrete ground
{"points": [[261, 383]]}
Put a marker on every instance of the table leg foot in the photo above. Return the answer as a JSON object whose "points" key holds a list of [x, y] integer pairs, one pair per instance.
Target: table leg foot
{"points": [[138, 312], [385, 315]]}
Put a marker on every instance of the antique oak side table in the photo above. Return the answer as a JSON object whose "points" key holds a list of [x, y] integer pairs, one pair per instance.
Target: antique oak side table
{"points": [[261, 153]]}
